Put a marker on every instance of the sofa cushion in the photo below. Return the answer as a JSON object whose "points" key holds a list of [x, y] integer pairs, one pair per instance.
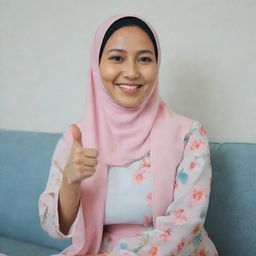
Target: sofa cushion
{"points": [[13, 247], [25, 159], [231, 221]]}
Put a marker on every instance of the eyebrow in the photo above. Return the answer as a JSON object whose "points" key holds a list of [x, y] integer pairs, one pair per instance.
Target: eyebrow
{"points": [[123, 51]]}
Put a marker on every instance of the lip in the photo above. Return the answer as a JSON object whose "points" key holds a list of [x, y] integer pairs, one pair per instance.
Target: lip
{"points": [[131, 90], [129, 84]]}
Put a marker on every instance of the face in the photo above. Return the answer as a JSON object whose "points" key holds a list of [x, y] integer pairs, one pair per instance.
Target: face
{"points": [[128, 66]]}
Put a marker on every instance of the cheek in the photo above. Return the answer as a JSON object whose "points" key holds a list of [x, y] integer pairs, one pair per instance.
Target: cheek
{"points": [[150, 74], [107, 73]]}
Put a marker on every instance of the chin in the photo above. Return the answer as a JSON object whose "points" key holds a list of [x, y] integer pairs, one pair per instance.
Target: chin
{"points": [[128, 104]]}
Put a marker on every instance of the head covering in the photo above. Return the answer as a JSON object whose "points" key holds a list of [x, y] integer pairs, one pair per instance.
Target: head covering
{"points": [[121, 136], [126, 22]]}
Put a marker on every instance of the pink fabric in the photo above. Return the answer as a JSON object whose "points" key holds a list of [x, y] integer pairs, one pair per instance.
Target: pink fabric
{"points": [[118, 231], [122, 136]]}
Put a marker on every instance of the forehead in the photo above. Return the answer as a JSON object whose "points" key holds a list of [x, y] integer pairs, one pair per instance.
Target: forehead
{"points": [[129, 38]]}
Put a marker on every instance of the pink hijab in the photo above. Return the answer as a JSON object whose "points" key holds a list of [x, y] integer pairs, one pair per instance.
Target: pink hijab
{"points": [[121, 136]]}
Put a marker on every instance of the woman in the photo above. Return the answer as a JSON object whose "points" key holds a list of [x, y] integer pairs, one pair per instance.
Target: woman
{"points": [[131, 178]]}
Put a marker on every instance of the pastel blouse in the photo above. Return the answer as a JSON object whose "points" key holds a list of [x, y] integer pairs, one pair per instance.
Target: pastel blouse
{"points": [[179, 232]]}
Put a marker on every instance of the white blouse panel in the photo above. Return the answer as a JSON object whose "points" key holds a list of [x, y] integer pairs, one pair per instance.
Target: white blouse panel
{"points": [[128, 198]]}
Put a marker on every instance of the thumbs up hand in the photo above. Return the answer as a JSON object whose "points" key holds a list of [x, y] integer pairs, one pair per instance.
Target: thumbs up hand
{"points": [[82, 161]]}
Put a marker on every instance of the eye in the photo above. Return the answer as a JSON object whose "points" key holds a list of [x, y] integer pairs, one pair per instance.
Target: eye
{"points": [[145, 59], [116, 58]]}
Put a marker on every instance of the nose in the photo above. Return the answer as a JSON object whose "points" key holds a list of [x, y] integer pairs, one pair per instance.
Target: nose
{"points": [[131, 70]]}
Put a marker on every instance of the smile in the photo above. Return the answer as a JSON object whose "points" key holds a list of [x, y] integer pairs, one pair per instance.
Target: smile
{"points": [[129, 88]]}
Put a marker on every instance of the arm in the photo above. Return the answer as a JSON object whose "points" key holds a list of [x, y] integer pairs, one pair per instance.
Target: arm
{"points": [[179, 232], [49, 199], [68, 204], [59, 203]]}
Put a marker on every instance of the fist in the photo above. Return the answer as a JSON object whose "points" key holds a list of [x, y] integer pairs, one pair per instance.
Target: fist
{"points": [[82, 161]]}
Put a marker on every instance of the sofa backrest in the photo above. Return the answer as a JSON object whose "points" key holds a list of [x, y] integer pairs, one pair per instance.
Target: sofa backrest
{"points": [[231, 218], [25, 159]]}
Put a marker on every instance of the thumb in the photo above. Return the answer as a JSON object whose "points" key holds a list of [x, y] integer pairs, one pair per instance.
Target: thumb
{"points": [[76, 134]]}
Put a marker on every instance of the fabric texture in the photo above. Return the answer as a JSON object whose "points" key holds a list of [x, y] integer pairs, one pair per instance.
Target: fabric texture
{"points": [[191, 198], [179, 232], [129, 194]]}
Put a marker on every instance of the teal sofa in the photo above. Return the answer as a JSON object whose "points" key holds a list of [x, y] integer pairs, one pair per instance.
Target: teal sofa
{"points": [[24, 165]]}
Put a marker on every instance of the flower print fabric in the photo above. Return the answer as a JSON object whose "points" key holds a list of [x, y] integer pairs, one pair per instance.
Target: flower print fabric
{"points": [[180, 231], [141, 174], [48, 200]]}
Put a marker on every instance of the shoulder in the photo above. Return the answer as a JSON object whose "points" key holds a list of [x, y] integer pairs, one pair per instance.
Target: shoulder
{"points": [[179, 123], [192, 128], [197, 130], [189, 128], [183, 120], [196, 140]]}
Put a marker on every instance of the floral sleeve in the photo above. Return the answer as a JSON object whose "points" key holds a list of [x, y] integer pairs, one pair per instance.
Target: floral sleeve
{"points": [[48, 200], [179, 232]]}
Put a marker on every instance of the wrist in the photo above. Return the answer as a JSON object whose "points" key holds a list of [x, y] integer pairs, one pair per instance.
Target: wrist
{"points": [[69, 185]]}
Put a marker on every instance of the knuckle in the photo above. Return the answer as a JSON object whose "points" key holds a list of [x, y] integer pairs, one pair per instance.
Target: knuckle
{"points": [[89, 162], [93, 152], [89, 170], [79, 177], [78, 150], [78, 169], [76, 160], [96, 153], [82, 169]]}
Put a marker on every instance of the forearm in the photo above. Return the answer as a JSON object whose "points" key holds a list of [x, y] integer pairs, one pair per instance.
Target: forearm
{"points": [[68, 205]]}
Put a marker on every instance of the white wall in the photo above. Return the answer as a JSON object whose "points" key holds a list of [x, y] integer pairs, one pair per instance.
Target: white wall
{"points": [[208, 67]]}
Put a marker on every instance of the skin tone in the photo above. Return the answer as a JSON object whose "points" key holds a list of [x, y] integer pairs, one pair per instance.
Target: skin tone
{"points": [[81, 165], [128, 60]]}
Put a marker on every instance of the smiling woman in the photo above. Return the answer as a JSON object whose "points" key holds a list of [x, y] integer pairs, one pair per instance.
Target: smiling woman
{"points": [[128, 179], [128, 66]]}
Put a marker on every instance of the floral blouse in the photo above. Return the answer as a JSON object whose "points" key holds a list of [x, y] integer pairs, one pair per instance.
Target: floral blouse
{"points": [[179, 232]]}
